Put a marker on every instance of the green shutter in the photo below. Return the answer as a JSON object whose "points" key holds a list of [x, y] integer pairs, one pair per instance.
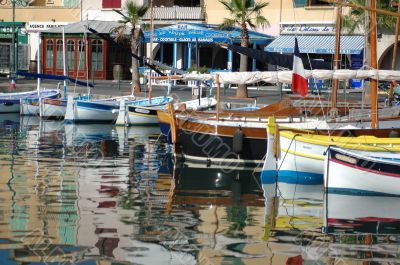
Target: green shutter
{"points": [[71, 3], [300, 3]]}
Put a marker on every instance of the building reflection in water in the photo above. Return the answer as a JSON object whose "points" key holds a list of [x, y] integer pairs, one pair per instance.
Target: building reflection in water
{"points": [[106, 194]]}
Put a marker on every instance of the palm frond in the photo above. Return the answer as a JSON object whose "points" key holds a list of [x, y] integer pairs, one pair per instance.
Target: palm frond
{"points": [[227, 5], [242, 10], [227, 23]]}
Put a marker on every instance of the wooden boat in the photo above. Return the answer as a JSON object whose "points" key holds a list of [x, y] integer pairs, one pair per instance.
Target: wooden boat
{"points": [[204, 137], [298, 156], [360, 173]]}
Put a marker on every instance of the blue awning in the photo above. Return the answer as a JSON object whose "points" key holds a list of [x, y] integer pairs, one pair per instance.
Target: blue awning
{"points": [[317, 44], [203, 33]]}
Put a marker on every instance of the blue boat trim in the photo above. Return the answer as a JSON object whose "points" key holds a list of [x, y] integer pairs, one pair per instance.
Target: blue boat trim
{"points": [[346, 191], [291, 177], [96, 106]]}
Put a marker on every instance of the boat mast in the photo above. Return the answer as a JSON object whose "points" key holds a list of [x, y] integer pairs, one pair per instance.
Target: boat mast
{"points": [[151, 49], [374, 65], [395, 48], [64, 63], [337, 59], [39, 64]]}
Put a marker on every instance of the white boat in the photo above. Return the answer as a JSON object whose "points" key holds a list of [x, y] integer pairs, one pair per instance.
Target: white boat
{"points": [[31, 105], [137, 114], [352, 172], [141, 112], [55, 108], [10, 102], [93, 111]]}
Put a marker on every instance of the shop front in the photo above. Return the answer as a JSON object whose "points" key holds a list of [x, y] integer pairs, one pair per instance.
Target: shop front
{"points": [[87, 55], [6, 49], [318, 41]]}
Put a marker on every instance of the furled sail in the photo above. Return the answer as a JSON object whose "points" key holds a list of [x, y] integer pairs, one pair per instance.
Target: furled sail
{"points": [[286, 76]]}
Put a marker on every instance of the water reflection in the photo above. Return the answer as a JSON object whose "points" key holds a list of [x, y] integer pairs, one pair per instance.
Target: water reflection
{"points": [[104, 194]]}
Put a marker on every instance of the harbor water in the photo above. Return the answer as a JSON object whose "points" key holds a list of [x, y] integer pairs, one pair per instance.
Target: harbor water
{"points": [[101, 194]]}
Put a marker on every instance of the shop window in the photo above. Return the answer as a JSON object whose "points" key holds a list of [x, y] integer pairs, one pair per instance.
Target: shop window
{"points": [[189, 3], [303, 3], [97, 55], [111, 3], [318, 3], [59, 54], [71, 54], [81, 55], [49, 54]]}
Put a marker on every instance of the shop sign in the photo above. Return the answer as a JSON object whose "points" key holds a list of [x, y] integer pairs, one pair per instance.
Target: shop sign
{"points": [[34, 26], [309, 29]]}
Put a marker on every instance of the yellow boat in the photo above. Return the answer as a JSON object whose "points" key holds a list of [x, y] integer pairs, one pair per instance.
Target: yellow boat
{"points": [[300, 155]]}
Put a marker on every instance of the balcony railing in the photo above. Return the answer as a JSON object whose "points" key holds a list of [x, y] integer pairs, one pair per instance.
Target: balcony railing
{"points": [[176, 13]]}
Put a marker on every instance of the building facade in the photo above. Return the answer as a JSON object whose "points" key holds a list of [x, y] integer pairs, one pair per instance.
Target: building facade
{"points": [[31, 18], [306, 13]]}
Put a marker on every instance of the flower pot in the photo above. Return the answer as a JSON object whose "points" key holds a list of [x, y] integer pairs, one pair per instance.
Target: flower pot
{"points": [[118, 71]]}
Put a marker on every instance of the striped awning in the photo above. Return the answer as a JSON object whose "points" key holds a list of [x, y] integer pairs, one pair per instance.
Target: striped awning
{"points": [[317, 44]]}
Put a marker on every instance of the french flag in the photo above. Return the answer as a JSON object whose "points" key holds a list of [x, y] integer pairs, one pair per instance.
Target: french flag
{"points": [[299, 80]]}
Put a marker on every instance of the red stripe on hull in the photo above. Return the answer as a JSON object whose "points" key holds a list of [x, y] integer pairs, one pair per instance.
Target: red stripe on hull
{"points": [[365, 169]]}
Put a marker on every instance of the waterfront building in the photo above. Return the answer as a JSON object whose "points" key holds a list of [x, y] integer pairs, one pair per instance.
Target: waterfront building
{"points": [[30, 19], [314, 22]]}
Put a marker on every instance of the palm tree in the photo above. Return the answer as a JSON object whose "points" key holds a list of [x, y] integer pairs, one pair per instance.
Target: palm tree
{"points": [[131, 16], [355, 19], [244, 13]]}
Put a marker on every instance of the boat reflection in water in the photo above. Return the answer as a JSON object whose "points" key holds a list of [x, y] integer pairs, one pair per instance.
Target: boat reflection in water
{"points": [[303, 225], [363, 228]]}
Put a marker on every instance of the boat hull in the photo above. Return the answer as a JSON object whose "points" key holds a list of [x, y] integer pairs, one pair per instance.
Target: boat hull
{"points": [[218, 149], [9, 107], [53, 108], [350, 173], [91, 112], [141, 116], [30, 107]]}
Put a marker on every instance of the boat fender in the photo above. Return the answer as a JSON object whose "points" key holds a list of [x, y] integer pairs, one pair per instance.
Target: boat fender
{"points": [[394, 134], [237, 145]]}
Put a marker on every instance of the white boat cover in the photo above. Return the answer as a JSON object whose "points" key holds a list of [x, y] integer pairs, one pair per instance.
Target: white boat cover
{"points": [[286, 76]]}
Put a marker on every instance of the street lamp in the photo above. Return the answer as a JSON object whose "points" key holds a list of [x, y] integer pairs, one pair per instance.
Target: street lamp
{"points": [[14, 3]]}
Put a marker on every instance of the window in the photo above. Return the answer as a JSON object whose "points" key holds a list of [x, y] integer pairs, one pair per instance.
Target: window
{"points": [[49, 54], [81, 55], [190, 3], [318, 3], [111, 3], [303, 3], [97, 55], [71, 54], [59, 54]]}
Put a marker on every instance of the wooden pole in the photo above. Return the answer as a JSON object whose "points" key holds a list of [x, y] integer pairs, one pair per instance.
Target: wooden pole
{"points": [[151, 49], [354, 6], [374, 65], [218, 96], [395, 48], [337, 59]]}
